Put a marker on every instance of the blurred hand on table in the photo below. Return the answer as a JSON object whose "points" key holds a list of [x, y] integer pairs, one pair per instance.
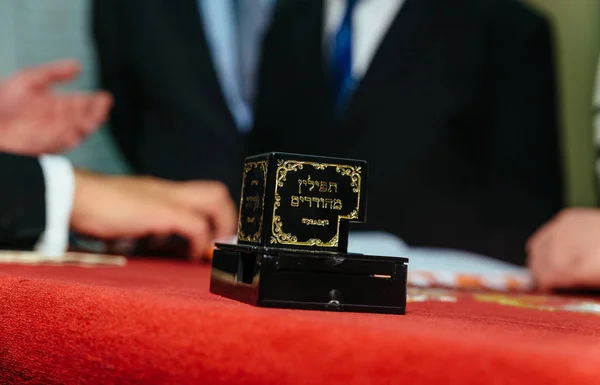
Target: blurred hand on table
{"points": [[115, 207], [565, 253], [35, 119]]}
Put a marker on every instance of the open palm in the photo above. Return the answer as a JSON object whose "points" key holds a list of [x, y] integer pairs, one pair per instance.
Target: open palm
{"points": [[36, 119]]}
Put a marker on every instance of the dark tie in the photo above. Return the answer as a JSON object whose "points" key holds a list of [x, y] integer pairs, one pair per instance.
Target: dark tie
{"points": [[342, 59]]}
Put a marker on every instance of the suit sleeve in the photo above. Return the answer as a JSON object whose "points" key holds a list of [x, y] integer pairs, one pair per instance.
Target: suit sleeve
{"points": [[22, 202], [525, 161], [109, 32]]}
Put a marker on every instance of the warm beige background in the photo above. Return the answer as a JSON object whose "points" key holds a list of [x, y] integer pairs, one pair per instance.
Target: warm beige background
{"points": [[577, 34]]}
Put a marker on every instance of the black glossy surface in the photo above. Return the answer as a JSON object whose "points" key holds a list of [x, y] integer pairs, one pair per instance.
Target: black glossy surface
{"points": [[270, 277], [301, 201], [292, 246]]}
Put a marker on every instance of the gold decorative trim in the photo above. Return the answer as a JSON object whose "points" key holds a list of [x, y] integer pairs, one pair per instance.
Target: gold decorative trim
{"points": [[283, 167], [255, 238]]}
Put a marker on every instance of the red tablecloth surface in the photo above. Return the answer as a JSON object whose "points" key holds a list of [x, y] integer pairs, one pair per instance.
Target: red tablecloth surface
{"points": [[155, 322]]}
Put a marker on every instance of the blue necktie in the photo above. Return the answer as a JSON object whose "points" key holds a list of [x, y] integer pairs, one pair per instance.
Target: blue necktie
{"points": [[342, 59]]}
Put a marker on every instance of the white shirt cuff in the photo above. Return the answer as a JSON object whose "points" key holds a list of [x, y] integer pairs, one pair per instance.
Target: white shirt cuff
{"points": [[59, 179]]}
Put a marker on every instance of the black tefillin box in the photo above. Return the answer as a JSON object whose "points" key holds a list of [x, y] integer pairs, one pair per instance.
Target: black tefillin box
{"points": [[292, 248]]}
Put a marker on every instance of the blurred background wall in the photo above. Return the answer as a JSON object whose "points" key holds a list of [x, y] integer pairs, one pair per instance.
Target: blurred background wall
{"points": [[34, 31], [577, 36]]}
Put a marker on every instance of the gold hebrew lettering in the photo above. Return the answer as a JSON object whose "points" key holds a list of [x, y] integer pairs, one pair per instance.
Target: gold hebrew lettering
{"points": [[325, 203], [309, 200], [253, 202], [256, 202], [332, 186], [323, 187], [315, 222], [337, 204]]}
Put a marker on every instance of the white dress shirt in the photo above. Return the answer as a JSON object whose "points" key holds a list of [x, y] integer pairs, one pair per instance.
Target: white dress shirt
{"points": [[371, 20], [235, 45], [59, 179]]}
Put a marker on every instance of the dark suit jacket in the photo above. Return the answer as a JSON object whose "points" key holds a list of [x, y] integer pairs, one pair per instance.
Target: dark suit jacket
{"points": [[22, 202], [170, 118], [456, 117]]}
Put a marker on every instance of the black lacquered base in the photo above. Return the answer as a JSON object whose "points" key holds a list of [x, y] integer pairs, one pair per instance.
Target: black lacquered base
{"points": [[294, 279]]}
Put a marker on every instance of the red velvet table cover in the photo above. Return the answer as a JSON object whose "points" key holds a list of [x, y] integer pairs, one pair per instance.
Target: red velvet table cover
{"points": [[155, 322]]}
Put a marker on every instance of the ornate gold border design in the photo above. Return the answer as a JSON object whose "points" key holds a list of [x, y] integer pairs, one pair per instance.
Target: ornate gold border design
{"points": [[283, 167], [255, 238]]}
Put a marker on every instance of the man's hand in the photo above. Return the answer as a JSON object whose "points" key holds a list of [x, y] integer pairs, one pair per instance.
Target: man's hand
{"points": [[111, 207], [565, 253], [35, 119]]}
